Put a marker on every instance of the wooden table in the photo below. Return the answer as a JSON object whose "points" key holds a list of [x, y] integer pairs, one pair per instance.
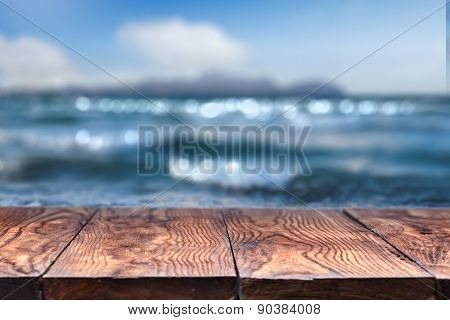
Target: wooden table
{"points": [[132, 253]]}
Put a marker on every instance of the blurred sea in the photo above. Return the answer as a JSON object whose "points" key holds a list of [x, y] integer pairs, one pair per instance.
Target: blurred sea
{"points": [[363, 151]]}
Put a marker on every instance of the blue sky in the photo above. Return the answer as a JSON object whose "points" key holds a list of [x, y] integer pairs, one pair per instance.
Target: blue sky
{"points": [[285, 40]]}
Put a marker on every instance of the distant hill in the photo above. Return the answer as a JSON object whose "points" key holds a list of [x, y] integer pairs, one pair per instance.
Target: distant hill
{"points": [[315, 88], [212, 84], [204, 86], [223, 85]]}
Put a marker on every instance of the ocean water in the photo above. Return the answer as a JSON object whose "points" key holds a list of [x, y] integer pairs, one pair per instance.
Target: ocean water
{"points": [[361, 151]]}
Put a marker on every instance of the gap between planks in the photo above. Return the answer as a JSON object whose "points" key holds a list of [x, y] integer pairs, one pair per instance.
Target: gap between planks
{"points": [[65, 247], [420, 234], [31, 246], [238, 277]]}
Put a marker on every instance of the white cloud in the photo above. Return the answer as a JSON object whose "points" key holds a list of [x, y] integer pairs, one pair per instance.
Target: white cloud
{"points": [[179, 47], [27, 62]]}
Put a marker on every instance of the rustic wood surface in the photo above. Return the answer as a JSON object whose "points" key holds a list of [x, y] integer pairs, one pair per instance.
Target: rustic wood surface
{"points": [[283, 254], [122, 253], [153, 254], [30, 241], [421, 234]]}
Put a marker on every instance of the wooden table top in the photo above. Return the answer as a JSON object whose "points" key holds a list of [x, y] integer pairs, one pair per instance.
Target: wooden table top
{"points": [[224, 253]]}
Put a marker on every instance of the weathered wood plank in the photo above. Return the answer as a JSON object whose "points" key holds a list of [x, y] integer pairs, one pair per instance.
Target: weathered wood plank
{"points": [[30, 241], [422, 234], [146, 254], [304, 254]]}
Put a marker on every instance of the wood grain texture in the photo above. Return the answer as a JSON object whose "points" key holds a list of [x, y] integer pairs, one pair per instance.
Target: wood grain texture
{"points": [[146, 254], [304, 254], [421, 234], [30, 241]]}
